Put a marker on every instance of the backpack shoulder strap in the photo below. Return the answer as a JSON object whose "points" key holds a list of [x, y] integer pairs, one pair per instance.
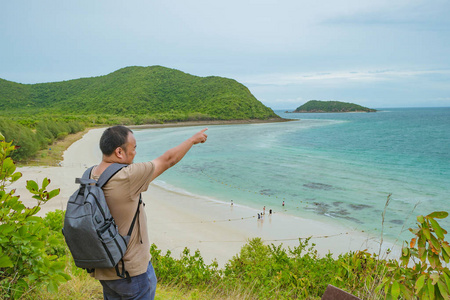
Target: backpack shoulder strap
{"points": [[86, 178], [108, 173], [87, 173]]}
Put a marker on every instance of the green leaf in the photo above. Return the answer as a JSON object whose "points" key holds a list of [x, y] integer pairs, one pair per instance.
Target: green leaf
{"points": [[34, 219], [378, 288], [66, 276], [406, 292], [32, 186], [16, 176], [419, 283], [438, 215], [426, 233], [59, 278], [52, 286], [435, 243], [405, 251], [433, 259], [420, 219], [45, 183], [435, 277], [421, 242], [395, 290], [53, 193], [37, 244], [445, 256], [447, 279], [437, 229], [5, 262], [430, 287], [443, 289], [446, 248], [6, 228], [32, 277]]}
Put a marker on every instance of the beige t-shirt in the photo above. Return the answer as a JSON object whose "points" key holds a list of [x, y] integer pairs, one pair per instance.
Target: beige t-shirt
{"points": [[122, 195]]}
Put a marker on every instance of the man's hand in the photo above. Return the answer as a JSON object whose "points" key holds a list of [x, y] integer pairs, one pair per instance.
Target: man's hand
{"points": [[174, 155], [199, 137]]}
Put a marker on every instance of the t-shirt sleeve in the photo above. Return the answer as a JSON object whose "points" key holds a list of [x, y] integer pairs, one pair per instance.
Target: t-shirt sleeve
{"points": [[139, 176]]}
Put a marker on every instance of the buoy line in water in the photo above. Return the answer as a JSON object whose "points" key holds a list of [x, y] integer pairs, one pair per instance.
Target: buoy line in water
{"points": [[211, 221], [280, 240]]}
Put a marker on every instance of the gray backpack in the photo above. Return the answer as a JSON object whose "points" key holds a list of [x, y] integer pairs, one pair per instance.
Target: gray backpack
{"points": [[89, 229]]}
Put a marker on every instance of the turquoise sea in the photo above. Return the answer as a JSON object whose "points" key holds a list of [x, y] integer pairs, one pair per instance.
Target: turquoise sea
{"points": [[335, 167]]}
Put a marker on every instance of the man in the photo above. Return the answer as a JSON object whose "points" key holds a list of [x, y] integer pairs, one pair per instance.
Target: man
{"points": [[122, 193]]}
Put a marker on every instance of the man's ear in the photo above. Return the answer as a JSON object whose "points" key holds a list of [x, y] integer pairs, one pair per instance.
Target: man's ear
{"points": [[119, 152]]}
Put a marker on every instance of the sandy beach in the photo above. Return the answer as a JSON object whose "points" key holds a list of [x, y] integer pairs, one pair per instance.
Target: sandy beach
{"points": [[178, 220]]}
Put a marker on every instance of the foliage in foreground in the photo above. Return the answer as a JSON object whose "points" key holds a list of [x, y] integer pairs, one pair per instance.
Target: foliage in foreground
{"points": [[29, 247], [260, 271], [273, 272], [422, 271]]}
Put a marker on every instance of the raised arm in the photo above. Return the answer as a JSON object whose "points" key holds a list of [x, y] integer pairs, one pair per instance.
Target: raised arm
{"points": [[173, 156]]}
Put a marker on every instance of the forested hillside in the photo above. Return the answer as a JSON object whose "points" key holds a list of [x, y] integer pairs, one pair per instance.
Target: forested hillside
{"points": [[34, 116], [157, 93], [331, 106]]}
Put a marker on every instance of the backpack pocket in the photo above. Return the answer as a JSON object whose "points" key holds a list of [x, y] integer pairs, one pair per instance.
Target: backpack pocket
{"points": [[113, 243]]}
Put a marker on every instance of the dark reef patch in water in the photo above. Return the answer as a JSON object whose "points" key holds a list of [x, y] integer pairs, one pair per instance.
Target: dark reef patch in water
{"points": [[397, 222], [328, 210], [359, 206], [319, 186], [267, 192]]}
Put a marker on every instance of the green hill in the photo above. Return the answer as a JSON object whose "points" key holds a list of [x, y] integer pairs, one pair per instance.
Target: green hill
{"points": [[316, 106], [153, 92]]}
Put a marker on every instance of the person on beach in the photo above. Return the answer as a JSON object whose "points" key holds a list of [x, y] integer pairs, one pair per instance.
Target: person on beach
{"points": [[122, 193]]}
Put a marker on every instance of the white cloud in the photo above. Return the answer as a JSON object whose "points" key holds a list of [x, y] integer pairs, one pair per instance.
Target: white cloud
{"points": [[287, 102], [443, 99], [337, 76]]}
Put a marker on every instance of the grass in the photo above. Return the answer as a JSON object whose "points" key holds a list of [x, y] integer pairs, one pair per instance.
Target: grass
{"points": [[164, 292], [81, 286]]}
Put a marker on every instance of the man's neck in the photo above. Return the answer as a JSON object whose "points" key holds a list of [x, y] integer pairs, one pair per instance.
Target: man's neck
{"points": [[101, 167]]}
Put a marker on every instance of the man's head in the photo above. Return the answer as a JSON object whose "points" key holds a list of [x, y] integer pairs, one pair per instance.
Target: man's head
{"points": [[118, 144]]}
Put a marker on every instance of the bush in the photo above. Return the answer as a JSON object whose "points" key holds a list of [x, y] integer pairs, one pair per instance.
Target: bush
{"points": [[188, 271], [275, 272], [25, 241], [54, 220], [422, 270]]}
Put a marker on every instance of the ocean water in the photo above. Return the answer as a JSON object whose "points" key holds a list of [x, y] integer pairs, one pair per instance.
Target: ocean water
{"points": [[338, 168]]}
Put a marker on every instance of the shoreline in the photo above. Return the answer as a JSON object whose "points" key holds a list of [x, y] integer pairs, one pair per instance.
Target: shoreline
{"points": [[178, 220], [210, 122]]}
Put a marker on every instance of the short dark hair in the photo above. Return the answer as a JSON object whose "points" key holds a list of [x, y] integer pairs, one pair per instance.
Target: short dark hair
{"points": [[113, 137]]}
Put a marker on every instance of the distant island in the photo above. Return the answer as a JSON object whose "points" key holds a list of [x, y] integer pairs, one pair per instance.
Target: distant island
{"points": [[317, 106]]}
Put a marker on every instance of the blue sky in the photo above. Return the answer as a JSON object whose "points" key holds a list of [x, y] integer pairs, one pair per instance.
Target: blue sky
{"points": [[383, 53]]}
